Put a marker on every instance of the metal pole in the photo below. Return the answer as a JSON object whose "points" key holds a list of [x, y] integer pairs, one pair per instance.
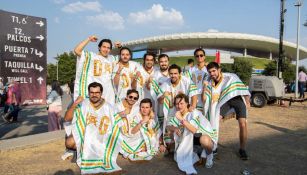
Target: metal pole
{"points": [[57, 70], [298, 5], [281, 34]]}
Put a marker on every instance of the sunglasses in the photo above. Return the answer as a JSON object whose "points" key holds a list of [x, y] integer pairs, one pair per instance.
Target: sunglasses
{"points": [[132, 97], [199, 56]]}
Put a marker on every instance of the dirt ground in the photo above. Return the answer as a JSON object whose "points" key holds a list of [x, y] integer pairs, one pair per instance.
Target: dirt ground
{"points": [[277, 144]]}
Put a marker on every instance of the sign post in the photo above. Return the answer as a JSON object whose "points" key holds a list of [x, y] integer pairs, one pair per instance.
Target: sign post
{"points": [[23, 51]]}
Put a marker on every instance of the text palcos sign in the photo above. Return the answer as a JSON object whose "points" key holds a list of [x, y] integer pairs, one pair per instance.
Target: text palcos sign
{"points": [[23, 54]]}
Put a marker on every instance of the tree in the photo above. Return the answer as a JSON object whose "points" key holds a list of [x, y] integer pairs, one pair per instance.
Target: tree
{"points": [[243, 68], [288, 70], [51, 73], [67, 68], [270, 69]]}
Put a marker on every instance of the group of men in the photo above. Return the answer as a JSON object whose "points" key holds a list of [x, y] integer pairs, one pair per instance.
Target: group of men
{"points": [[137, 110]]}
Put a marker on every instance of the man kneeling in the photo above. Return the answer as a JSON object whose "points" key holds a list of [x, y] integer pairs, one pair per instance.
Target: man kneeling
{"points": [[184, 126], [95, 132], [140, 133]]}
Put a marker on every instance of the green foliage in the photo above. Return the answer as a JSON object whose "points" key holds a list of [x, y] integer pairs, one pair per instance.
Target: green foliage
{"points": [[67, 68], [51, 73], [288, 73], [270, 69], [243, 68], [227, 68]]}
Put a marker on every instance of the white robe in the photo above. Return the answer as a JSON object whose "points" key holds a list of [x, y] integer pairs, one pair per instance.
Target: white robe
{"points": [[96, 132], [184, 155], [230, 86], [142, 145], [185, 86], [141, 83], [198, 76], [125, 79], [94, 68]]}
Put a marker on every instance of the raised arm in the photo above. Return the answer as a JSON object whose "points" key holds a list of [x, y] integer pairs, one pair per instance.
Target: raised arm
{"points": [[70, 112], [79, 48]]}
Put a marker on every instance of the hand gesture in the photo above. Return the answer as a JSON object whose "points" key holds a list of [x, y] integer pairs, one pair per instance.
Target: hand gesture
{"points": [[152, 115], [78, 100], [93, 38], [117, 44], [162, 148], [178, 132]]}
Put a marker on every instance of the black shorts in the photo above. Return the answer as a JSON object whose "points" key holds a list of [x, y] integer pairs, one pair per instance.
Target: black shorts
{"points": [[237, 104]]}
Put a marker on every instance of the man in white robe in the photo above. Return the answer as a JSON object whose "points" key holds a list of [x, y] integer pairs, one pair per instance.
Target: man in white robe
{"points": [[176, 84], [95, 132], [141, 139], [160, 76], [183, 126], [199, 75], [125, 74], [224, 92], [146, 76], [95, 67]]}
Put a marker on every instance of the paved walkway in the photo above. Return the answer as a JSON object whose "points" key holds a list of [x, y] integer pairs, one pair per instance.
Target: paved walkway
{"points": [[32, 120]]}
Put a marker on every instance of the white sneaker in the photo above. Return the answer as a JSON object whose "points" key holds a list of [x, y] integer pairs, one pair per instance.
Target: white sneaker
{"points": [[209, 161], [68, 153]]}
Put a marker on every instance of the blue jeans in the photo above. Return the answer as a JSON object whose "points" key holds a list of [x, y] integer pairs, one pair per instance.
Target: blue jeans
{"points": [[301, 89]]}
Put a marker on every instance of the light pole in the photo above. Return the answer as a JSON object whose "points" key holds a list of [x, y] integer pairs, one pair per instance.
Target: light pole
{"points": [[57, 68], [298, 5]]}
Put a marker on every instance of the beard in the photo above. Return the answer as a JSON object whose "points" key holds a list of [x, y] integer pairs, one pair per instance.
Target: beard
{"points": [[95, 99], [163, 68]]}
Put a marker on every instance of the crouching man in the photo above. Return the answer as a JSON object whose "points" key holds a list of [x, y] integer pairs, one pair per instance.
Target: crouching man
{"points": [[95, 132], [189, 128]]}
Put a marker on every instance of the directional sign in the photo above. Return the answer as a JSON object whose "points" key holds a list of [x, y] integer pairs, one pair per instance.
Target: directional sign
{"points": [[23, 53]]}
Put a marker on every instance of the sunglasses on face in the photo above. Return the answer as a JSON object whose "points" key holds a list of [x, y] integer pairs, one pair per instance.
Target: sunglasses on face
{"points": [[199, 56], [132, 97]]}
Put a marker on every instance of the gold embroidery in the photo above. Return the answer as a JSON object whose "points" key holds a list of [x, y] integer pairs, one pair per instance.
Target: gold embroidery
{"points": [[97, 68], [215, 97], [91, 119], [125, 128], [104, 125], [125, 81], [107, 68]]}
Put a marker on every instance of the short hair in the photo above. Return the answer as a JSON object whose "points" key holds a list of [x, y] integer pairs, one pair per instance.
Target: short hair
{"points": [[125, 48], [150, 54], [190, 61], [146, 100], [175, 66], [95, 84], [199, 49], [105, 41], [181, 96], [213, 65], [163, 55], [130, 91]]}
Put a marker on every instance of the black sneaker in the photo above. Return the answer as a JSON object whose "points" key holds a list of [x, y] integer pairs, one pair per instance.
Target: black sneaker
{"points": [[243, 155]]}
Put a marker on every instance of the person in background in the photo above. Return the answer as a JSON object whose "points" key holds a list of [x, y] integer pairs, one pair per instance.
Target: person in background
{"points": [[71, 85], [189, 65], [302, 78], [54, 101], [1, 92], [10, 101]]}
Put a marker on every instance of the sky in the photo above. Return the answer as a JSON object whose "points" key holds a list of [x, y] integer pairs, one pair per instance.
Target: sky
{"points": [[71, 21]]}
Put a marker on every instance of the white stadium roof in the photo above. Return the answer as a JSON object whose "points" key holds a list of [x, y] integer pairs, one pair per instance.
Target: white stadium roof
{"points": [[255, 45]]}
